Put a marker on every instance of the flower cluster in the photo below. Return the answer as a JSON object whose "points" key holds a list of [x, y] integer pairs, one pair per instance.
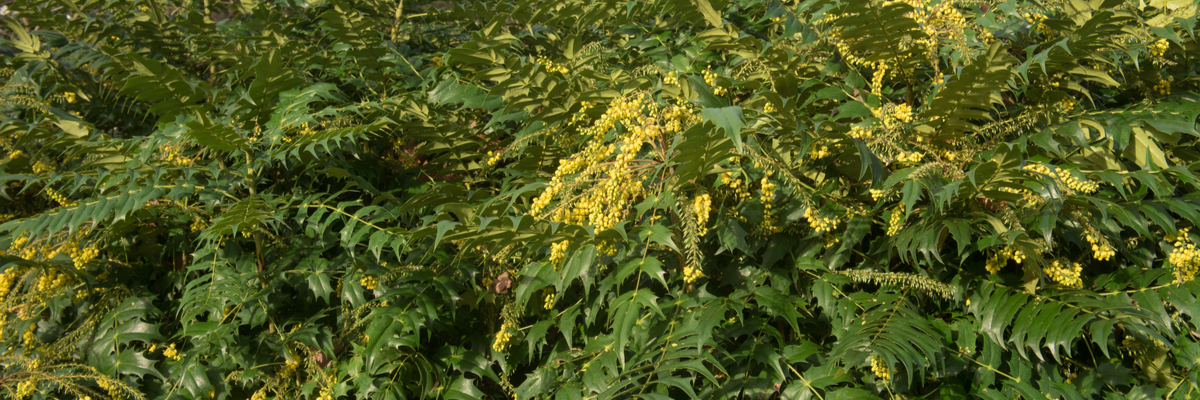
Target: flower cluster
{"points": [[18, 248], [58, 197], [881, 72], [820, 150], [768, 108], [1027, 194], [611, 168], [702, 206], [579, 116], [996, 262], [941, 21], [198, 225], [946, 14], [82, 255], [876, 194], [113, 390], [7, 279], [926, 284], [30, 336], [289, 367], [768, 190], [819, 223], [910, 157], [829, 240], [861, 133], [896, 222], [543, 200], [504, 336], [25, 389], [607, 247], [369, 282], [880, 368], [558, 252], [768, 195], [171, 352], [173, 153], [692, 274], [740, 190], [676, 116], [1159, 48], [41, 167], [551, 66], [83, 294], [548, 295], [893, 117], [999, 259], [1066, 177], [1065, 273], [671, 79], [1065, 105], [305, 130], [1163, 87], [1101, 250], [987, 37], [327, 389], [1036, 20], [902, 113], [1185, 257], [52, 281], [710, 78]]}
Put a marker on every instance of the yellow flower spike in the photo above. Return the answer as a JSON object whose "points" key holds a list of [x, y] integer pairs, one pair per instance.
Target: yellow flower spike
{"points": [[369, 282], [818, 223], [880, 368], [558, 251], [40, 167], [691, 274], [503, 337], [549, 296], [902, 113], [1163, 88], [995, 263], [702, 206], [171, 352], [896, 222], [861, 133], [1159, 48], [1184, 257], [1064, 273], [671, 79]]}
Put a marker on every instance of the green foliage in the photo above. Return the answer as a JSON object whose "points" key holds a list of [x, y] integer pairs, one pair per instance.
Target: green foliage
{"points": [[586, 199]]}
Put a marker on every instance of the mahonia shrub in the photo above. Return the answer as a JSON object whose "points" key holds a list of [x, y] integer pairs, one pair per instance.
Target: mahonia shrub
{"points": [[830, 199]]}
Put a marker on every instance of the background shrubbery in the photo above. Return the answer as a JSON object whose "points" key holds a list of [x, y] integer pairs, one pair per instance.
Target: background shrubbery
{"points": [[657, 199]]}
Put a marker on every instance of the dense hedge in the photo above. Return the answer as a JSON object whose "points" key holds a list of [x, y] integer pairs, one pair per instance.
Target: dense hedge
{"points": [[656, 199]]}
